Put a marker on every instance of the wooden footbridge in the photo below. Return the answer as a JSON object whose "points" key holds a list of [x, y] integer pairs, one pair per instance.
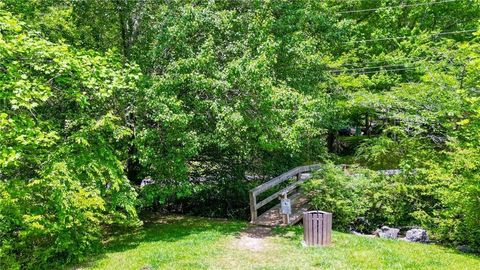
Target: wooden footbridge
{"points": [[295, 203]]}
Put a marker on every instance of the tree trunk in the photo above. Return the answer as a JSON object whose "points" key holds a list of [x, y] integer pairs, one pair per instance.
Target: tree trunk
{"points": [[331, 140]]}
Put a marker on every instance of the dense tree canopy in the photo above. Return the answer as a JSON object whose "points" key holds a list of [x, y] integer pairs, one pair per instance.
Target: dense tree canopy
{"points": [[62, 138], [208, 98]]}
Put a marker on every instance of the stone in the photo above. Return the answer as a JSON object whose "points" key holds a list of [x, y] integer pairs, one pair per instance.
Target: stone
{"points": [[387, 232], [465, 249], [361, 234], [356, 233], [147, 181], [417, 235]]}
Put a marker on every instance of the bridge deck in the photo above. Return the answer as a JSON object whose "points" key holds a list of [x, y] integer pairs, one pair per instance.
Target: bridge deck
{"points": [[273, 217]]}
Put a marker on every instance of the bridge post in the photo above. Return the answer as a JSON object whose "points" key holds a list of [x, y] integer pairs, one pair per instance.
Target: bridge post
{"points": [[285, 212], [253, 206]]}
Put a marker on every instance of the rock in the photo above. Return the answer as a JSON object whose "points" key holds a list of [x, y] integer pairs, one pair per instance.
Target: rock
{"points": [[147, 181], [465, 249], [361, 234], [417, 235], [356, 233], [387, 232]]}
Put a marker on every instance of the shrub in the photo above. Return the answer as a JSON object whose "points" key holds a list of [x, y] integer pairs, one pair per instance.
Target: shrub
{"points": [[442, 199], [346, 197], [365, 199], [456, 220]]}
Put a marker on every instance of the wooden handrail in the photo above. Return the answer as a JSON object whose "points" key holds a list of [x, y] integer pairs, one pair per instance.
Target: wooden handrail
{"points": [[275, 195], [283, 177], [253, 193], [254, 206]]}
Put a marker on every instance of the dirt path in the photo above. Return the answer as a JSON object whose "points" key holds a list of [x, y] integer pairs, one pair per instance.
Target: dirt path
{"points": [[254, 238]]}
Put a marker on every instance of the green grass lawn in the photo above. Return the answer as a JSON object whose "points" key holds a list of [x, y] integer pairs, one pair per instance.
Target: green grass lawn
{"points": [[177, 242]]}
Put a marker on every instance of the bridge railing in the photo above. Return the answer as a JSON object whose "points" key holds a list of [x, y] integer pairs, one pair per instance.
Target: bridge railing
{"points": [[296, 172]]}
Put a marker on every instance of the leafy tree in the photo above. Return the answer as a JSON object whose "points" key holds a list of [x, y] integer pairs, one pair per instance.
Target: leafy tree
{"points": [[62, 148]]}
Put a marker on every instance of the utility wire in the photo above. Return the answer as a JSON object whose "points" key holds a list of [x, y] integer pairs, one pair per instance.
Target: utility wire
{"points": [[377, 71], [400, 67], [406, 37], [395, 67], [400, 6], [374, 61], [386, 61], [340, 70], [366, 68]]}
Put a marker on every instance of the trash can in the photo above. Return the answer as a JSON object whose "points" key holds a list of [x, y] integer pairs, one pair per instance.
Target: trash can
{"points": [[317, 228]]}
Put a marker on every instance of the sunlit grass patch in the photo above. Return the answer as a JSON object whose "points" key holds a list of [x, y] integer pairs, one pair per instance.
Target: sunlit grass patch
{"points": [[177, 242]]}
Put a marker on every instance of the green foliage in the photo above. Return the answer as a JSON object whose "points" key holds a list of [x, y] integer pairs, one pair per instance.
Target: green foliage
{"points": [[335, 192], [163, 138], [225, 198], [436, 131], [237, 106], [457, 221], [394, 149], [363, 200], [459, 170], [61, 138], [231, 90], [217, 97], [442, 199]]}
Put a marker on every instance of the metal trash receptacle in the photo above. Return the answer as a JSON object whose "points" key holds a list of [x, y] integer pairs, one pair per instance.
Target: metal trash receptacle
{"points": [[317, 228]]}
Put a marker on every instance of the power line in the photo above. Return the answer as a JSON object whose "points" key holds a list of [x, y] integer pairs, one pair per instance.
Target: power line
{"points": [[400, 6], [405, 37], [396, 67], [405, 58], [346, 65], [401, 67], [375, 61], [366, 68], [384, 70]]}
